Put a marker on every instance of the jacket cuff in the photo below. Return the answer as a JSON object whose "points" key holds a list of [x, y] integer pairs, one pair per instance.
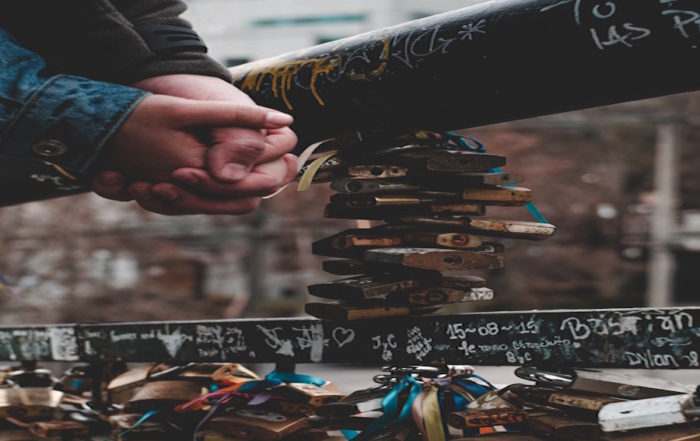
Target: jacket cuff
{"points": [[67, 122], [182, 63]]}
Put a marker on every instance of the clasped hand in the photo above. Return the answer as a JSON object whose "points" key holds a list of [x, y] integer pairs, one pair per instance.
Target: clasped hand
{"points": [[199, 145]]}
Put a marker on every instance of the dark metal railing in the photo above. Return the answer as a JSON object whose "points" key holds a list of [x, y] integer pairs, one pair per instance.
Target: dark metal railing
{"points": [[494, 62]]}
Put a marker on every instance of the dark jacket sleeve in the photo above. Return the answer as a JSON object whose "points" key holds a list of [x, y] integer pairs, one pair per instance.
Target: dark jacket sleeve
{"points": [[99, 38]]}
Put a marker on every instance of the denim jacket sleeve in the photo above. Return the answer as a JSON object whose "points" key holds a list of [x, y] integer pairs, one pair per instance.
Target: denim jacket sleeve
{"points": [[52, 128]]}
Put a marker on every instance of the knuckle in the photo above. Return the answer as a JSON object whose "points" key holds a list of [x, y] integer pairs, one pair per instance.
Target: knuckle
{"points": [[249, 146]]}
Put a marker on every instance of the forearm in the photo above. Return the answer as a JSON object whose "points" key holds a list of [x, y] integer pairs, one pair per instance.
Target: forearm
{"points": [[53, 123]]}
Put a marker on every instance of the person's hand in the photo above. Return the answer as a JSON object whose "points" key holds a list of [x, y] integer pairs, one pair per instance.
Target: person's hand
{"points": [[234, 151], [171, 199], [200, 192], [160, 136]]}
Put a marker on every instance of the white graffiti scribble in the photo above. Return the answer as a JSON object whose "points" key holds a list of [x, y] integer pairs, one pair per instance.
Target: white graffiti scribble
{"points": [[468, 30], [312, 338], [385, 345], [343, 336], [173, 341], [283, 347], [417, 344]]}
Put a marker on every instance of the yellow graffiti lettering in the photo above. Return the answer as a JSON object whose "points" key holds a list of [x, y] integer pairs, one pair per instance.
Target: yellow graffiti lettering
{"points": [[282, 74], [384, 60]]}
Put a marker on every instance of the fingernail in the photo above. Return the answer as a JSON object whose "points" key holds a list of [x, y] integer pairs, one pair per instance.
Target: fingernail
{"points": [[278, 119], [111, 178], [234, 171], [166, 193]]}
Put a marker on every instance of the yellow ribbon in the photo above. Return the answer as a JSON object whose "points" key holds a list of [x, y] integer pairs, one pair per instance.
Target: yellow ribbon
{"points": [[308, 176], [63, 172], [432, 418]]}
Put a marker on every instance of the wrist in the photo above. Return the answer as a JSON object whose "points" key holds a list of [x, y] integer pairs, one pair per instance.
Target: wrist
{"points": [[198, 87]]}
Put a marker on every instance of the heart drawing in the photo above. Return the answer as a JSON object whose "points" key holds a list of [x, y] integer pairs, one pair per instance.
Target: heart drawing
{"points": [[343, 336]]}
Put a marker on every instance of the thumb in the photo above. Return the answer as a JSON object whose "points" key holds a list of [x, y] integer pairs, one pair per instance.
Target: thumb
{"points": [[234, 152], [221, 113]]}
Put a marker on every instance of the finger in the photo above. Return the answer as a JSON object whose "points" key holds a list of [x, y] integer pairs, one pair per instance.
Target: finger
{"points": [[221, 113], [182, 200], [257, 183], [111, 185], [277, 143], [142, 193], [234, 153], [284, 169], [292, 168]]}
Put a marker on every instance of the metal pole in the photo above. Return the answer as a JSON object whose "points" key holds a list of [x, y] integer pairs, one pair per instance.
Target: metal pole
{"points": [[663, 220], [493, 62]]}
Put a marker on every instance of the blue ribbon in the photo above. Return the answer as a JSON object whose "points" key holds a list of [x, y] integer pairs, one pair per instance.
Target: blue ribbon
{"points": [[141, 420], [390, 407], [478, 147], [276, 378], [291, 377]]}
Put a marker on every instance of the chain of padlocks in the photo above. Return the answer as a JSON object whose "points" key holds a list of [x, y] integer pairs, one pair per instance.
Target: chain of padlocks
{"points": [[431, 191]]}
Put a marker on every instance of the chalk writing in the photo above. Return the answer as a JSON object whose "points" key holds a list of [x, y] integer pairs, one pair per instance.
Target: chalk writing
{"points": [[457, 331], [467, 348], [115, 337], [213, 341], [675, 341], [650, 360], [543, 343], [496, 347], [312, 338], [490, 328], [32, 344], [6, 345], [617, 325], [693, 359], [601, 12], [385, 345], [343, 336], [417, 344], [529, 327], [676, 321], [605, 10], [648, 338], [626, 36], [682, 19], [64, 344], [282, 347], [514, 358]]}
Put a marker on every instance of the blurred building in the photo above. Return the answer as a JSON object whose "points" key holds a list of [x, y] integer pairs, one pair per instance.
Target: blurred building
{"points": [[238, 31]]}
